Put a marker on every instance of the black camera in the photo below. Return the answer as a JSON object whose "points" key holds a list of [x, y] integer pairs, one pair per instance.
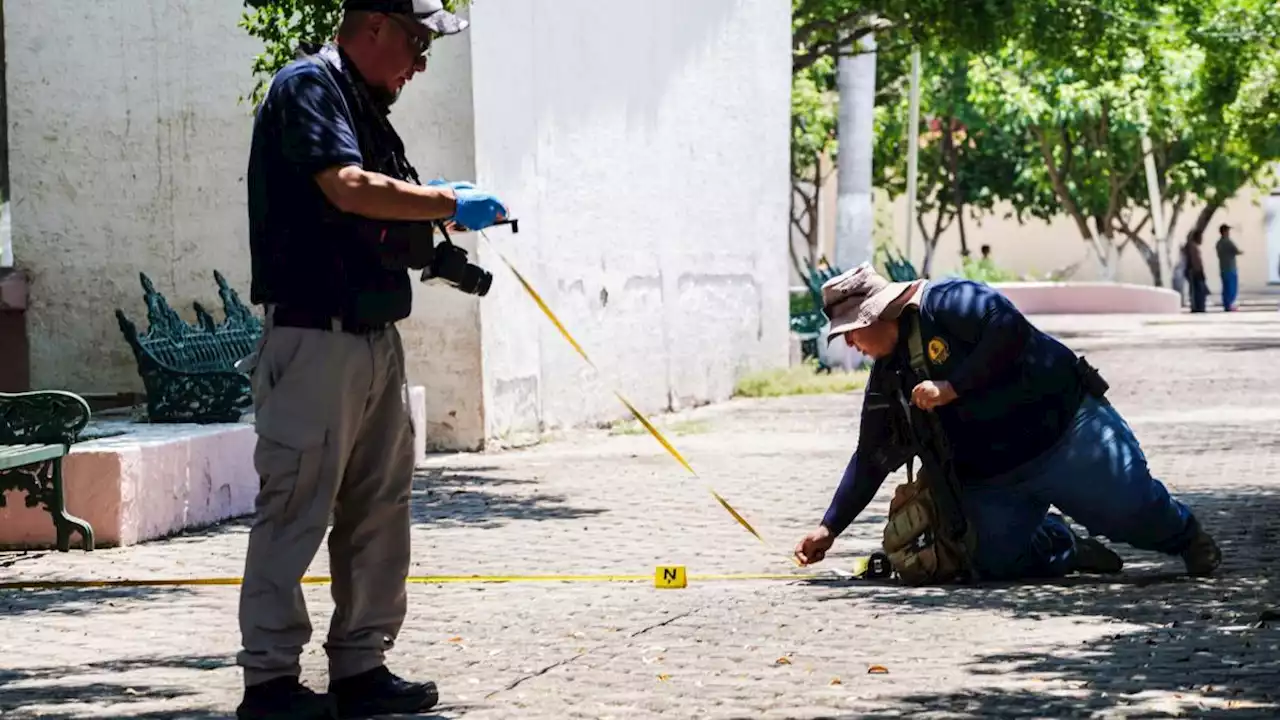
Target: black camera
{"points": [[450, 265]]}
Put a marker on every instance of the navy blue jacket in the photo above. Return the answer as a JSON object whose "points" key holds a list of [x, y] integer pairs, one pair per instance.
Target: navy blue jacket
{"points": [[1017, 388]]}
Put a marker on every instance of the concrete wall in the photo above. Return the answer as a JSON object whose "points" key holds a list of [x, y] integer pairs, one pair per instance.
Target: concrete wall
{"points": [[134, 161], [127, 154], [644, 148], [1039, 247], [442, 337]]}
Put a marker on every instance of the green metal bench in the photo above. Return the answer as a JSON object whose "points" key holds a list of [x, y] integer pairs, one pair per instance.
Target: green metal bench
{"points": [[808, 323], [189, 370], [37, 430], [898, 267]]}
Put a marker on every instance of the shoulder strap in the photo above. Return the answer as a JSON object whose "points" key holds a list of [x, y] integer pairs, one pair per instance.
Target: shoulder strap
{"points": [[916, 346]]}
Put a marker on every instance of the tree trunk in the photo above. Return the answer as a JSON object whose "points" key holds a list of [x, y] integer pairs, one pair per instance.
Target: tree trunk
{"points": [[1061, 190], [1105, 246], [1206, 216], [801, 272], [1151, 257], [952, 156], [929, 244], [804, 219], [931, 240]]}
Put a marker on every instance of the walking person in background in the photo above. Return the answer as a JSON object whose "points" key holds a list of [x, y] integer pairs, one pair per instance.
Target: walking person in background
{"points": [[1194, 270], [1227, 252]]}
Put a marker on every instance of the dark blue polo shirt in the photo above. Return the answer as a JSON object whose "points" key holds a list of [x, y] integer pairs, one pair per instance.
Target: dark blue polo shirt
{"points": [[306, 253], [1018, 391]]}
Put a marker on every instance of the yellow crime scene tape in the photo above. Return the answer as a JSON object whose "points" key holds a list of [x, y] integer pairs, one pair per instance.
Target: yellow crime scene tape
{"points": [[639, 416], [413, 580], [671, 573]]}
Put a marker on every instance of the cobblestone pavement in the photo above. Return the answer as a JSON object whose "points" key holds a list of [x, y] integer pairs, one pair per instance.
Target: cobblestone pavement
{"points": [[1199, 391]]}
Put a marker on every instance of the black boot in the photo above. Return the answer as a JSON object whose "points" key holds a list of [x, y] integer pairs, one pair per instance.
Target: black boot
{"points": [[378, 692], [284, 698]]}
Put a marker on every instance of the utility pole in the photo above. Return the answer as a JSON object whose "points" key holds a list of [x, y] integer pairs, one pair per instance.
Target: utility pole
{"points": [[913, 148], [855, 216]]}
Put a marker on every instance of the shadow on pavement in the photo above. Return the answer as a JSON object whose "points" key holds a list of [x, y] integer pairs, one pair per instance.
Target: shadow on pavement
{"points": [[473, 497], [1210, 641], [55, 693], [63, 692], [77, 601]]}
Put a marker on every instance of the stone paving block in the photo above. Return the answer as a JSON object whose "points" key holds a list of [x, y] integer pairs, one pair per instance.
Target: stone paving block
{"points": [[1150, 643]]}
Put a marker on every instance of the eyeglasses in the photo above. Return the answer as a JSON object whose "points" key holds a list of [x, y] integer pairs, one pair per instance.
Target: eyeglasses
{"points": [[420, 45]]}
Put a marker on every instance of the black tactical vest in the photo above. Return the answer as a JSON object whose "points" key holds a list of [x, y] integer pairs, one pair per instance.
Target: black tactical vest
{"points": [[312, 258]]}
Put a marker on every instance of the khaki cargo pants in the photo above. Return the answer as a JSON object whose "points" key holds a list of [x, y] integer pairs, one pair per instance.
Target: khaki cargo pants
{"points": [[334, 438]]}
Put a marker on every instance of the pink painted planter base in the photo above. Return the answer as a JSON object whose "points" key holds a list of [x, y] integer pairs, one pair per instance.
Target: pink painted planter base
{"points": [[151, 483], [1080, 298]]}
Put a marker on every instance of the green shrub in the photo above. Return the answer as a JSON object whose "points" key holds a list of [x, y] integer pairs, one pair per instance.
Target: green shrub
{"points": [[803, 379]]}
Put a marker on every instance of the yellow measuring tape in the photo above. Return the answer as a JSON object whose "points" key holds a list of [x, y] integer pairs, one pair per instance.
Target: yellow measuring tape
{"points": [[639, 416], [487, 579], [414, 579]]}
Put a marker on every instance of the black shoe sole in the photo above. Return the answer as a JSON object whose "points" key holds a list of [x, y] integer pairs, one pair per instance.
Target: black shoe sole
{"points": [[329, 712], [405, 705]]}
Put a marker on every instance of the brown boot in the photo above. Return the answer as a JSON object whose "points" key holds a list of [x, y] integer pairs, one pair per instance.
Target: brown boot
{"points": [[1201, 555], [1095, 558]]}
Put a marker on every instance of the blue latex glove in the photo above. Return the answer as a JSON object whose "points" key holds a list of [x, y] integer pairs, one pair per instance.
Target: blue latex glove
{"points": [[451, 185], [477, 210]]}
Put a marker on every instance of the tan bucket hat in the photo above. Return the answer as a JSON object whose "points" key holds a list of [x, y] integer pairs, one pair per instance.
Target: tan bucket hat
{"points": [[859, 297]]}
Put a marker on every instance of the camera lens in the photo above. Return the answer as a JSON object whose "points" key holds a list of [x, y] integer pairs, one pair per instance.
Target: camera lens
{"points": [[477, 281]]}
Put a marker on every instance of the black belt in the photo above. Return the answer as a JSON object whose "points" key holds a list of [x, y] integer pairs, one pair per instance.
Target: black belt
{"points": [[309, 320]]}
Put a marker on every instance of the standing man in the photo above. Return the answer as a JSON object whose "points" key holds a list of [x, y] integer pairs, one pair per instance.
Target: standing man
{"points": [[327, 172], [1197, 283], [1227, 253]]}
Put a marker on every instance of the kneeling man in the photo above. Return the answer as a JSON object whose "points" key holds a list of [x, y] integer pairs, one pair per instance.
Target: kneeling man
{"points": [[1025, 424]]}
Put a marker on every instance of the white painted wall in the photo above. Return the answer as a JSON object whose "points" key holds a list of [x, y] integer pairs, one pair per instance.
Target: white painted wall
{"points": [[645, 149], [1037, 247], [128, 149], [442, 338]]}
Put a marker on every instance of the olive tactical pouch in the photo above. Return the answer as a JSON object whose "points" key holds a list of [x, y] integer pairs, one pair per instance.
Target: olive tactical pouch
{"points": [[917, 541], [927, 537]]}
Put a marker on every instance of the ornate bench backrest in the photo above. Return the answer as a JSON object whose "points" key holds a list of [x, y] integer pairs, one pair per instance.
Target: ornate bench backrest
{"points": [[44, 417], [203, 347]]}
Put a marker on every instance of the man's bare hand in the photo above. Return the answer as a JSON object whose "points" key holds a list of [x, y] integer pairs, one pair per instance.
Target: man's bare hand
{"points": [[929, 395], [813, 548]]}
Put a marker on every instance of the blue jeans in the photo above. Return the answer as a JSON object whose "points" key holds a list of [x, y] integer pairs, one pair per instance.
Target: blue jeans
{"points": [[1230, 288], [1098, 476]]}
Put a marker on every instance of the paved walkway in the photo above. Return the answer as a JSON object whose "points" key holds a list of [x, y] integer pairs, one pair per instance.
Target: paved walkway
{"points": [[1200, 392]]}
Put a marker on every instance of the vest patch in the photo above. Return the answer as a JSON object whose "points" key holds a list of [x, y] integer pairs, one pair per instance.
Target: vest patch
{"points": [[939, 351]]}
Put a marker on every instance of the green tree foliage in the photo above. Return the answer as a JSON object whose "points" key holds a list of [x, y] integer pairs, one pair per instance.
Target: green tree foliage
{"points": [[1233, 119], [813, 137], [283, 25], [830, 28], [825, 30], [1199, 79], [966, 165]]}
